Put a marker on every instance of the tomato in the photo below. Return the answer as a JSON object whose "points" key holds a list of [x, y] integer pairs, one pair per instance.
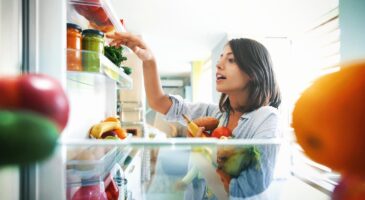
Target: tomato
{"points": [[221, 131]]}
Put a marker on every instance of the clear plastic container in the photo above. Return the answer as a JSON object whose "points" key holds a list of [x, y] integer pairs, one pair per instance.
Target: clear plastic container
{"points": [[95, 14]]}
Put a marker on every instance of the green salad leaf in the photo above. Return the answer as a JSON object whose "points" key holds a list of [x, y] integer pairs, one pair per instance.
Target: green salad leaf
{"points": [[114, 54]]}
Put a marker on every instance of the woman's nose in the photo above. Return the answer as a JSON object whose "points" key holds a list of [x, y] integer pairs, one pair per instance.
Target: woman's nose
{"points": [[219, 64]]}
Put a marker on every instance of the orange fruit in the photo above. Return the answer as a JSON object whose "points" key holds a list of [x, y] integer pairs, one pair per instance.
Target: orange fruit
{"points": [[329, 119], [111, 119], [121, 133]]}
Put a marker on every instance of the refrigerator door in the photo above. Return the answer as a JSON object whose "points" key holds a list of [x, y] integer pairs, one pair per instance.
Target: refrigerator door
{"points": [[11, 64], [92, 95], [10, 37], [45, 42]]}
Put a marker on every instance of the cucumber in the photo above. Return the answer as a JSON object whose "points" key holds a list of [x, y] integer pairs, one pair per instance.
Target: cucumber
{"points": [[25, 137]]}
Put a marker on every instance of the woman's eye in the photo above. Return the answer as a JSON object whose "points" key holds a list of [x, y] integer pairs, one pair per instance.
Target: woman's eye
{"points": [[231, 60]]}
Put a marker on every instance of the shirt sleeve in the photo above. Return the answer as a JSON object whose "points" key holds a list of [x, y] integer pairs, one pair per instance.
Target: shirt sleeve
{"points": [[192, 110], [256, 179]]}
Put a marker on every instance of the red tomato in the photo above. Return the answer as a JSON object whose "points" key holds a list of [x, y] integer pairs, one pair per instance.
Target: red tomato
{"points": [[221, 131]]}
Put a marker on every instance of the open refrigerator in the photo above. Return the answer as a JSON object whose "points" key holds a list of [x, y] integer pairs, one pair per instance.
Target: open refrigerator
{"points": [[149, 166]]}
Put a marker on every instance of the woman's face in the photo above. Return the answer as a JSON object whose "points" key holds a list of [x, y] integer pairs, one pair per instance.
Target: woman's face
{"points": [[229, 78]]}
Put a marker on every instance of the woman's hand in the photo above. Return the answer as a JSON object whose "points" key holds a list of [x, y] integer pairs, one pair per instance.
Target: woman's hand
{"points": [[225, 178], [133, 42]]}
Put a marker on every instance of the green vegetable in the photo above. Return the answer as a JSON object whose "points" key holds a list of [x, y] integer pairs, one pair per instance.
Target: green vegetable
{"points": [[127, 70], [114, 54], [241, 160], [25, 137]]}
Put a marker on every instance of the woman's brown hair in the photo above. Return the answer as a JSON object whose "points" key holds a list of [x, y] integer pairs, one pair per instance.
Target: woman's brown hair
{"points": [[254, 59]]}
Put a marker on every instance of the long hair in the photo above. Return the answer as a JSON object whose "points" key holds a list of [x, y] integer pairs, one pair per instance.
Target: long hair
{"points": [[254, 59]]}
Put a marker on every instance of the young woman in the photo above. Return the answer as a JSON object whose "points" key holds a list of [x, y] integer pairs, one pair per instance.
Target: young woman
{"points": [[248, 106]]}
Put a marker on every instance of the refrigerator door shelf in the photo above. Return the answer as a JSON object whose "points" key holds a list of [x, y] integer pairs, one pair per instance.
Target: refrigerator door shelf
{"points": [[94, 14], [94, 163], [107, 68]]}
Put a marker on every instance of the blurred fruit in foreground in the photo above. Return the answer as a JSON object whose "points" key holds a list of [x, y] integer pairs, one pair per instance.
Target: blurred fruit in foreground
{"points": [[329, 119], [350, 188], [25, 137], [35, 92]]}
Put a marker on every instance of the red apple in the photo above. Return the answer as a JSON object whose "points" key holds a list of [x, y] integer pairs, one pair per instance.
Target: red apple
{"points": [[38, 93], [221, 131], [9, 96], [43, 94], [350, 188]]}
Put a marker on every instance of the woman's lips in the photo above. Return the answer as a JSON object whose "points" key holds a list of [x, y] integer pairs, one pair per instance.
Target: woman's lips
{"points": [[220, 77]]}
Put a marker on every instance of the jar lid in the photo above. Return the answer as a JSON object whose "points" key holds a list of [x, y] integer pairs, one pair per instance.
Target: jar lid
{"points": [[93, 32], [75, 26]]}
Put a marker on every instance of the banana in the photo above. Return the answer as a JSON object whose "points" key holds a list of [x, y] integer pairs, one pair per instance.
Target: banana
{"points": [[103, 127]]}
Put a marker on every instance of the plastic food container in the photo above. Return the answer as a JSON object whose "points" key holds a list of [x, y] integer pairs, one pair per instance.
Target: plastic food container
{"points": [[74, 38], [93, 44]]}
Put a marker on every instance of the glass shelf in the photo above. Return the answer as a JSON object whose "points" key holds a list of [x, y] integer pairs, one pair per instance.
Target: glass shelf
{"points": [[166, 166], [95, 14], [96, 65], [171, 142]]}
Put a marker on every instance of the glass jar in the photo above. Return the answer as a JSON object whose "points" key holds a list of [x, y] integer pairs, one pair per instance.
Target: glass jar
{"points": [[74, 47], [93, 42]]}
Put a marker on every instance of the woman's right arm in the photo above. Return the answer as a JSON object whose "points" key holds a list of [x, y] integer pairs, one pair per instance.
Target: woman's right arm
{"points": [[156, 97]]}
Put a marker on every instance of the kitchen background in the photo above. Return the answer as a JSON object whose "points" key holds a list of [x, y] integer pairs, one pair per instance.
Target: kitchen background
{"points": [[306, 39]]}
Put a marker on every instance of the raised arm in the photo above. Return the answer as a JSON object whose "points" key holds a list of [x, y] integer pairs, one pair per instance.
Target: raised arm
{"points": [[156, 97]]}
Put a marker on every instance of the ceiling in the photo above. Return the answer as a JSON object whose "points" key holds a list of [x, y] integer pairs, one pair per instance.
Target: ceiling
{"points": [[180, 31]]}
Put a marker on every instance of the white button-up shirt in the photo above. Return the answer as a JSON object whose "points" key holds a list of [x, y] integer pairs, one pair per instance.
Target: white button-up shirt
{"points": [[262, 123]]}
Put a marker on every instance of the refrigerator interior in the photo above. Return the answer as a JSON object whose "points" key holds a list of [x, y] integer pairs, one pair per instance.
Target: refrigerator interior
{"points": [[145, 168]]}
